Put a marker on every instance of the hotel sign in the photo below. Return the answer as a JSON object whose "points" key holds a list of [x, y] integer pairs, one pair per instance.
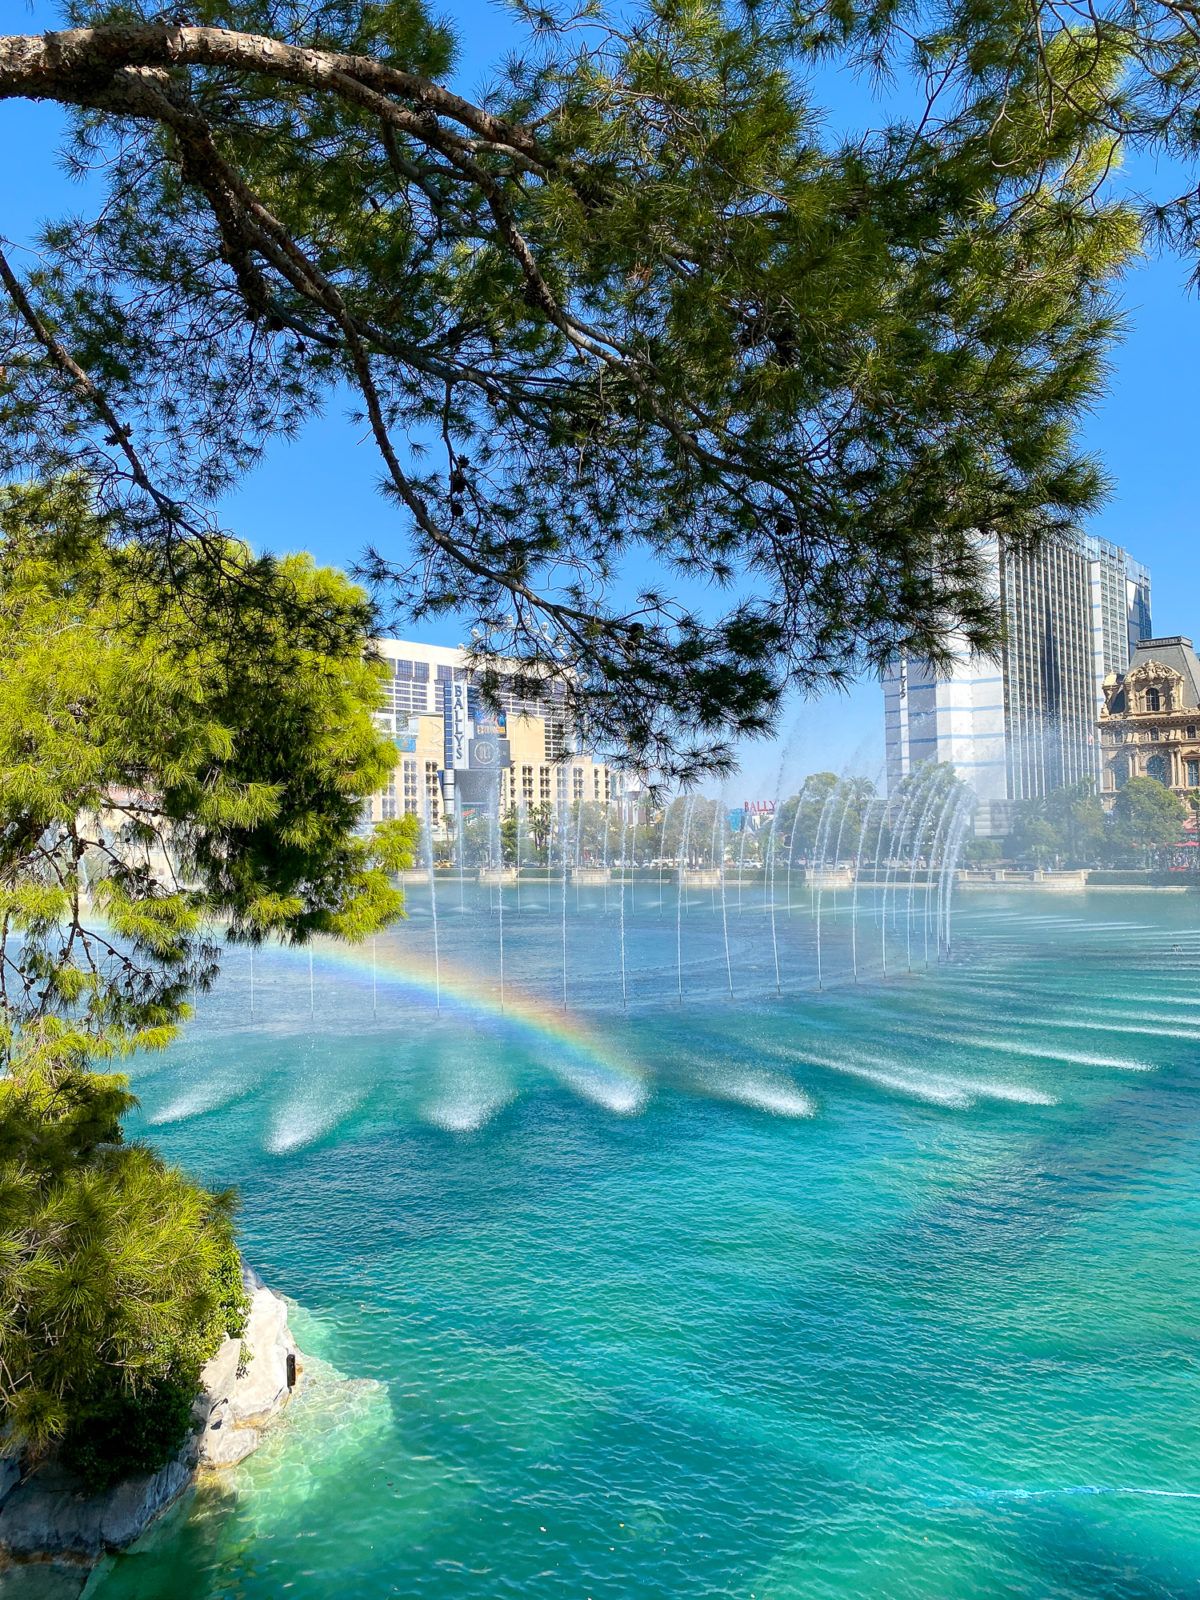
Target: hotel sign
{"points": [[489, 753], [460, 727]]}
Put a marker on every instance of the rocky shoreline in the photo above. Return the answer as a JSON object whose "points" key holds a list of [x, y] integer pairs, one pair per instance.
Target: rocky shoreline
{"points": [[46, 1519]]}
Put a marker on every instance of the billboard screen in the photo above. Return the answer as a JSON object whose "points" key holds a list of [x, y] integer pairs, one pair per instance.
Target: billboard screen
{"points": [[490, 723]]}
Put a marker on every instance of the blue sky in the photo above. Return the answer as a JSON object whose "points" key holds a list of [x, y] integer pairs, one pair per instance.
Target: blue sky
{"points": [[319, 492]]}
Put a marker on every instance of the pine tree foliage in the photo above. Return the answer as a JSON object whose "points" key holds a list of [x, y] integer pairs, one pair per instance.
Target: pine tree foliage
{"points": [[1084, 84], [165, 763], [633, 305], [181, 747], [119, 1278]]}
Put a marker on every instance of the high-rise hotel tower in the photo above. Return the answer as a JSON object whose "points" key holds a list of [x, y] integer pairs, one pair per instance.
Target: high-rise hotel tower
{"points": [[455, 755], [1025, 723]]}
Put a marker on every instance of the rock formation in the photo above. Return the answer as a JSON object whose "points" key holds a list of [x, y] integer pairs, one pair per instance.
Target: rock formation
{"points": [[45, 1517]]}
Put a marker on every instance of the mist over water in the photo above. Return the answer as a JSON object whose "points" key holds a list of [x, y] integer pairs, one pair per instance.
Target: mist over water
{"points": [[888, 1289]]}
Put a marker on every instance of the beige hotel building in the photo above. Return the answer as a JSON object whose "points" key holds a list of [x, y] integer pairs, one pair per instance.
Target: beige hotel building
{"points": [[452, 752]]}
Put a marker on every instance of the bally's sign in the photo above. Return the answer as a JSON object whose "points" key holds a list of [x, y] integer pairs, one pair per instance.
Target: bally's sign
{"points": [[460, 728]]}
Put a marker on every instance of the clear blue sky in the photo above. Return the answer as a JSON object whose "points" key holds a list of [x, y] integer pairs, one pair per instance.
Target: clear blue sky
{"points": [[319, 492]]}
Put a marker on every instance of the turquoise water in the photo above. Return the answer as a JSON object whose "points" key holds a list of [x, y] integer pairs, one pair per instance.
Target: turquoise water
{"points": [[889, 1290]]}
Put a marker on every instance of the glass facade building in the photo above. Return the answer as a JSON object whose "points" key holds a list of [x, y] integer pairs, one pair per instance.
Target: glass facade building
{"points": [[1023, 724]]}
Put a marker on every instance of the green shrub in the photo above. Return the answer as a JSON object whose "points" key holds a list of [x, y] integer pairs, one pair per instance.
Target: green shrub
{"points": [[119, 1278], [232, 1300], [203, 725], [115, 1435]]}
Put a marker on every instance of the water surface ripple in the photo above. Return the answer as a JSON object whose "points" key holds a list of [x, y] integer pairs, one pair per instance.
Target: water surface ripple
{"points": [[888, 1291]]}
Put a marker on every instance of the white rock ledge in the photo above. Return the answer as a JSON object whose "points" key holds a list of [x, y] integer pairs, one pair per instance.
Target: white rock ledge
{"points": [[44, 1516]]}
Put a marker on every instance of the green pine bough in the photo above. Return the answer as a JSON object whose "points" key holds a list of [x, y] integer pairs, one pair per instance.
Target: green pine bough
{"points": [[182, 753], [675, 391]]}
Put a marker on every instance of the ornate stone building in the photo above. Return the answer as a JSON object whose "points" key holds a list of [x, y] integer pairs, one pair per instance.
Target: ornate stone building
{"points": [[1150, 723]]}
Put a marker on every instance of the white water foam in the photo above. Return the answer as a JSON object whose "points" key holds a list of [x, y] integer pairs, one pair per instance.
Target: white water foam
{"points": [[465, 1116], [1048, 994], [974, 1088], [1146, 1016], [1059, 1020], [1082, 1489], [469, 1108], [1082, 1058], [302, 1122], [613, 1093], [195, 1102], [1019, 987], [1095, 1026], [1021, 1094], [934, 1091], [765, 1093]]}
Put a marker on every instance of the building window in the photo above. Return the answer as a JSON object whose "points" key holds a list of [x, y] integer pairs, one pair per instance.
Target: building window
{"points": [[1156, 768], [1191, 733], [443, 677], [1153, 700], [1193, 774], [408, 691], [432, 792]]}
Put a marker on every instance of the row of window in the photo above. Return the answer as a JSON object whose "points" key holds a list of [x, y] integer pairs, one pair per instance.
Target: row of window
{"points": [[570, 784], [1158, 768]]}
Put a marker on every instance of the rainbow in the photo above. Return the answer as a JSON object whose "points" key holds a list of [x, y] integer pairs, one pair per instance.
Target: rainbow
{"points": [[578, 1054]]}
